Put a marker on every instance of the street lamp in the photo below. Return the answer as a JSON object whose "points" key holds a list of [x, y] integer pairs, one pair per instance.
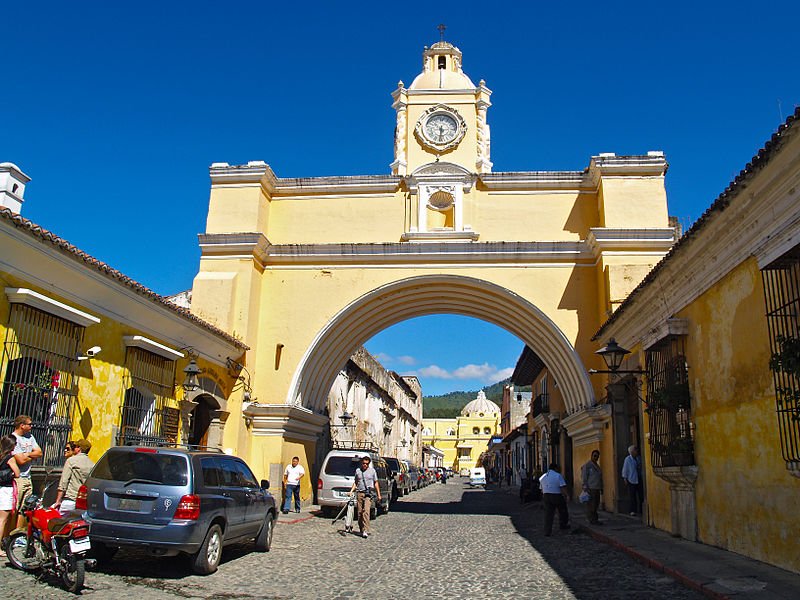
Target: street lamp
{"points": [[345, 418], [613, 354], [191, 383]]}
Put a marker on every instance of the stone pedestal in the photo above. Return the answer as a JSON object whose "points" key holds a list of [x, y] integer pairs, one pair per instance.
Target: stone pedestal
{"points": [[682, 499]]}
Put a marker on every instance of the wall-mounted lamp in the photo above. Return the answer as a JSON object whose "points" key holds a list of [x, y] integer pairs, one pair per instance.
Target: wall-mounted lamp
{"points": [[613, 354], [191, 382], [345, 418]]}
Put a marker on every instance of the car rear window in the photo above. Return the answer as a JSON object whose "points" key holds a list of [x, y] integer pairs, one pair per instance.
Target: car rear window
{"points": [[144, 467], [341, 465], [393, 463]]}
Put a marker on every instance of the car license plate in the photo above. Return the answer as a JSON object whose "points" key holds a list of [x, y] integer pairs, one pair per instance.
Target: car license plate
{"points": [[80, 545], [129, 504], [341, 494]]}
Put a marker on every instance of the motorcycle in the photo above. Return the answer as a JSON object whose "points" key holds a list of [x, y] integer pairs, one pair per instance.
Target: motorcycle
{"points": [[51, 544]]}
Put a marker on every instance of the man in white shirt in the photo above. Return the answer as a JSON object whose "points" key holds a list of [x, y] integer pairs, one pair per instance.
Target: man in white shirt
{"points": [[291, 479], [554, 496], [632, 474], [26, 451]]}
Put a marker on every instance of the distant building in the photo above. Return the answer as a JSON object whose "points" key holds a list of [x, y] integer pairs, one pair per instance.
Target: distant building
{"points": [[464, 438]]}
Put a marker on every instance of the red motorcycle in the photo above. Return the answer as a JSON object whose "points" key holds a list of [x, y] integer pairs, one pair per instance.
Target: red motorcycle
{"points": [[51, 544]]}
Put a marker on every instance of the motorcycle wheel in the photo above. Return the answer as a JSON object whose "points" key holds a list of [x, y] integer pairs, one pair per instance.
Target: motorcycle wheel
{"points": [[17, 552], [72, 570]]}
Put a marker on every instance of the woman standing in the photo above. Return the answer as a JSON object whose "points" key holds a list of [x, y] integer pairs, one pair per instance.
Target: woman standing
{"points": [[9, 471]]}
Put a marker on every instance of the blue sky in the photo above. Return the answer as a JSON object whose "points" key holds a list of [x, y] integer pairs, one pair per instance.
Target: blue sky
{"points": [[116, 109]]}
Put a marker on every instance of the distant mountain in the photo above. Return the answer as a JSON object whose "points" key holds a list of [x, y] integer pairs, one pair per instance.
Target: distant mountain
{"points": [[448, 406]]}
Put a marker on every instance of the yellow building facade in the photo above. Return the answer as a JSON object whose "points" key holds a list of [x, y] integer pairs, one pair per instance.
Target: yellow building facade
{"points": [[90, 353], [464, 438], [306, 270], [719, 393]]}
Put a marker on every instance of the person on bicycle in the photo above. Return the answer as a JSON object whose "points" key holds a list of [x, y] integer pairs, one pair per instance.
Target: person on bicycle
{"points": [[366, 481]]}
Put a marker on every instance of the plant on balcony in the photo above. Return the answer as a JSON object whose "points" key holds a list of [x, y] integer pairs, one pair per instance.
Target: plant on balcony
{"points": [[671, 398], [787, 360]]}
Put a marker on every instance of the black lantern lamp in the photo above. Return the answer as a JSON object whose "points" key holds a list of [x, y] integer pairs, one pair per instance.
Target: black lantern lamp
{"points": [[613, 354], [191, 383], [345, 418]]}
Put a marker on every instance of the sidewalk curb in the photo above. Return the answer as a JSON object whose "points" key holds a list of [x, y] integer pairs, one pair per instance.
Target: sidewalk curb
{"points": [[654, 564], [280, 521]]}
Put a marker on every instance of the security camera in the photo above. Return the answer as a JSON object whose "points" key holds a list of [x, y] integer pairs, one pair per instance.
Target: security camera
{"points": [[90, 353]]}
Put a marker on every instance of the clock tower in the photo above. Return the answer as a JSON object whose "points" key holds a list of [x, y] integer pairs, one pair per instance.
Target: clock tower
{"points": [[441, 116]]}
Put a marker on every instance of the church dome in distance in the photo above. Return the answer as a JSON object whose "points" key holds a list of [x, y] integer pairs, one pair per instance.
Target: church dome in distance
{"points": [[480, 407]]}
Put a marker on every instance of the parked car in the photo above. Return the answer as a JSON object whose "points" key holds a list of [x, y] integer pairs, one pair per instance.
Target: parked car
{"points": [[399, 472], [170, 501], [413, 474], [477, 477], [338, 473]]}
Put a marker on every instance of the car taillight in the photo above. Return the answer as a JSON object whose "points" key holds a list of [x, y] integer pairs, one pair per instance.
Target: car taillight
{"points": [[188, 508], [81, 498], [319, 483], [81, 532]]}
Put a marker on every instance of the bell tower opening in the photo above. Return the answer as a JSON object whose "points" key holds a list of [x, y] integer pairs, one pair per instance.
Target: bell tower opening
{"points": [[442, 62]]}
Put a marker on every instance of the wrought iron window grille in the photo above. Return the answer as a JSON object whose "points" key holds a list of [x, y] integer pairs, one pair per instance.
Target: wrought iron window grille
{"points": [[781, 281], [39, 364], [149, 415], [669, 404]]}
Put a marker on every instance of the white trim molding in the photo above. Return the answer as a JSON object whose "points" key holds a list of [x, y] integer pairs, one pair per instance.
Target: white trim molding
{"points": [[48, 305], [588, 424], [669, 327], [139, 341], [286, 421]]}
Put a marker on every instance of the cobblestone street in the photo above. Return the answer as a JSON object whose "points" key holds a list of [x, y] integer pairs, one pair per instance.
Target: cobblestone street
{"points": [[444, 541]]}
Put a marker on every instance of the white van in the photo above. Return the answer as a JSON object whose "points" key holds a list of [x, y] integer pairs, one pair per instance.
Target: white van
{"points": [[337, 475], [477, 477]]}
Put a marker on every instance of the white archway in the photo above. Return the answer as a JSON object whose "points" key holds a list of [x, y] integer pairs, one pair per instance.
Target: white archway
{"points": [[436, 294]]}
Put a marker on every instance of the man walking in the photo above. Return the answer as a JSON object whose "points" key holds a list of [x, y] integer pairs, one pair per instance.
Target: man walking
{"points": [[76, 470], [592, 482], [25, 452], [632, 474], [291, 479], [366, 481], [555, 497]]}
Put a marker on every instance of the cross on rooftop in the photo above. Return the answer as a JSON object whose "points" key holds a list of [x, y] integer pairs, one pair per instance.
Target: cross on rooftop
{"points": [[441, 27]]}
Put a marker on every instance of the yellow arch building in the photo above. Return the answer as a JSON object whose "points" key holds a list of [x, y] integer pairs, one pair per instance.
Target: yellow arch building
{"points": [[305, 270]]}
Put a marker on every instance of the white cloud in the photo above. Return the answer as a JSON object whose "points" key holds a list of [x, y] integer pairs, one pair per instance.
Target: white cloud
{"points": [[406, 360], [383, 358], [485, 373]]}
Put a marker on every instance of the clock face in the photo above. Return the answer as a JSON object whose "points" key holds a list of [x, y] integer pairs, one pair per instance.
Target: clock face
{"points": [[441, 128]]}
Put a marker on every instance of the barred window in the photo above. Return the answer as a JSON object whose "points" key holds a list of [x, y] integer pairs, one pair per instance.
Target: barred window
{"points": [[149, 415], [782, 297], [668, 404], [40, 358]]}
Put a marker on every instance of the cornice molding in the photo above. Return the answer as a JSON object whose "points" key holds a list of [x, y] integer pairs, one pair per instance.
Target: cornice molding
{"points": [[757, 222], [286, 421], [440, 236], [588, 424], [605, 239], [145, 343], [235, 244], [50, 306]]}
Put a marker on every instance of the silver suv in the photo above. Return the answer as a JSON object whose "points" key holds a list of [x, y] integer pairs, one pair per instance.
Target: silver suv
{"points": [[169, 501], [337, 475]]}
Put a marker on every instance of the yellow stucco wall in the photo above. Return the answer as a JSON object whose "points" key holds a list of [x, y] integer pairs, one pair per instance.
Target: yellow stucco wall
{"points": [[95, 411], [463, 435], [746, 499]]}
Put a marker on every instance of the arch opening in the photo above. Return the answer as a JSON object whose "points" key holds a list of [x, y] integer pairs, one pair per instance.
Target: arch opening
{"points": [[428, 295]]}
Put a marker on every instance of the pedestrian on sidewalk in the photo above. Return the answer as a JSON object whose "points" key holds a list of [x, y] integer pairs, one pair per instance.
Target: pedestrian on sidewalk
{"points": [[291, 479], [555, 497], [365, 485], [25, 452], [9, 472], [632, 474], [592, 482], [73, 475]]}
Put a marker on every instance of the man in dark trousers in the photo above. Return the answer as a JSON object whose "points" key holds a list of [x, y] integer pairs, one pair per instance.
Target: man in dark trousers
{"points": [[555, 497]]}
